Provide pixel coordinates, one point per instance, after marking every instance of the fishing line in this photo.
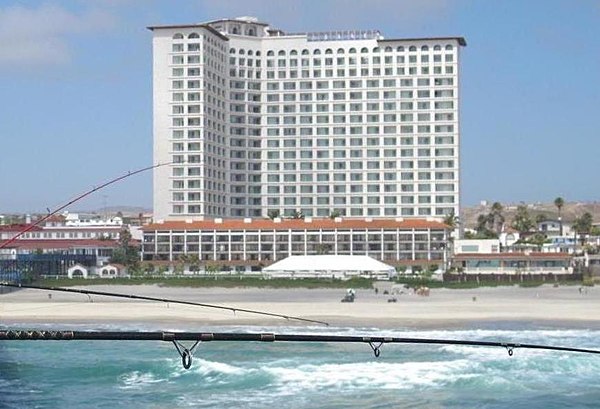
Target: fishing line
(76, 199)
(164, 300)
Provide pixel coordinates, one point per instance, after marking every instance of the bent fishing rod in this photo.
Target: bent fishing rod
(89, 293)
(197, 337)
(76, 199)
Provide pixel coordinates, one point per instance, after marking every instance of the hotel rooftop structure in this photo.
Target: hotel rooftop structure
(258, 120)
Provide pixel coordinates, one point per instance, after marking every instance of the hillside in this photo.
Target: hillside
(569, 212)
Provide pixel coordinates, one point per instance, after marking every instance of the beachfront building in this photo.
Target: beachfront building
(477, 246)
(68, 226)
(250, 244)
(514, 264)
(61, 245)
(254, 121)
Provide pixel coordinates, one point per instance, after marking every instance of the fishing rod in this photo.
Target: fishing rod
(197, 337)
(165, 300)
(76, 199)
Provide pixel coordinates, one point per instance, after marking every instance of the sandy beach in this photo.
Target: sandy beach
(546, 305)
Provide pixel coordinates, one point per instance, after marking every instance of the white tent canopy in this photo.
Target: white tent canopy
(329, 266)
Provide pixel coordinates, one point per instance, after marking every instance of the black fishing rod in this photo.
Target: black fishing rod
(186, 353)
(78, 198)
(165, 300)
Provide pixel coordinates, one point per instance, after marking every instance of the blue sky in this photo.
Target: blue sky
(75, 86)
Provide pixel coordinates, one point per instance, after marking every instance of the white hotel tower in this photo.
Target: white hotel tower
(256, 119)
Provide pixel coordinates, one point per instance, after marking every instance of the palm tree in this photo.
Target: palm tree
(481, 223)
(482, 228)
(496, 217)
(522, 221)
(451, 220)
(583, 226)
(559, 202)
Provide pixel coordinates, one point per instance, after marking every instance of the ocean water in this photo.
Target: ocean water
(148, 374)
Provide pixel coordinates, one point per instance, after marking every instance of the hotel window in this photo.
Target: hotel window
(443, 140)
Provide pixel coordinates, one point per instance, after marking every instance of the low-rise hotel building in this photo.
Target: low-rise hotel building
(254, 243)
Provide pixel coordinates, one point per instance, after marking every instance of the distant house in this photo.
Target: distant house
(78, 271)
(551, 228)
(509, 237)
(477, 246)
(111, 271)
(561, 244)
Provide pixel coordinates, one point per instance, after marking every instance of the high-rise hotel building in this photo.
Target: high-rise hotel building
(255, 119)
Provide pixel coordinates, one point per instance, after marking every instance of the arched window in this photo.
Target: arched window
(340, 51)
(177, 36)
(424, 48)
(194, 35)
(235, 30)
(257, 53)
(250, 52)
(449, 47)
(364, 50)
(316, 51)
(241, 51)
(352, 50)
(437, 47)
(251, 32)
(232, 51)
(304, 52)
(281, 53)
(412, 48)
(270, 53)
(376, 50)
(388, 49)
(329, 51)
(400, 48)
(293, 52)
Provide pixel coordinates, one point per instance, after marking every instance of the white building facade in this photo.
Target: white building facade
(256, 120)
(256, 243)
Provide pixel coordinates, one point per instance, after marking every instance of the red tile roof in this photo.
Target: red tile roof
(61, 244)
(296, 224)
(55, 218)
(19, 227)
